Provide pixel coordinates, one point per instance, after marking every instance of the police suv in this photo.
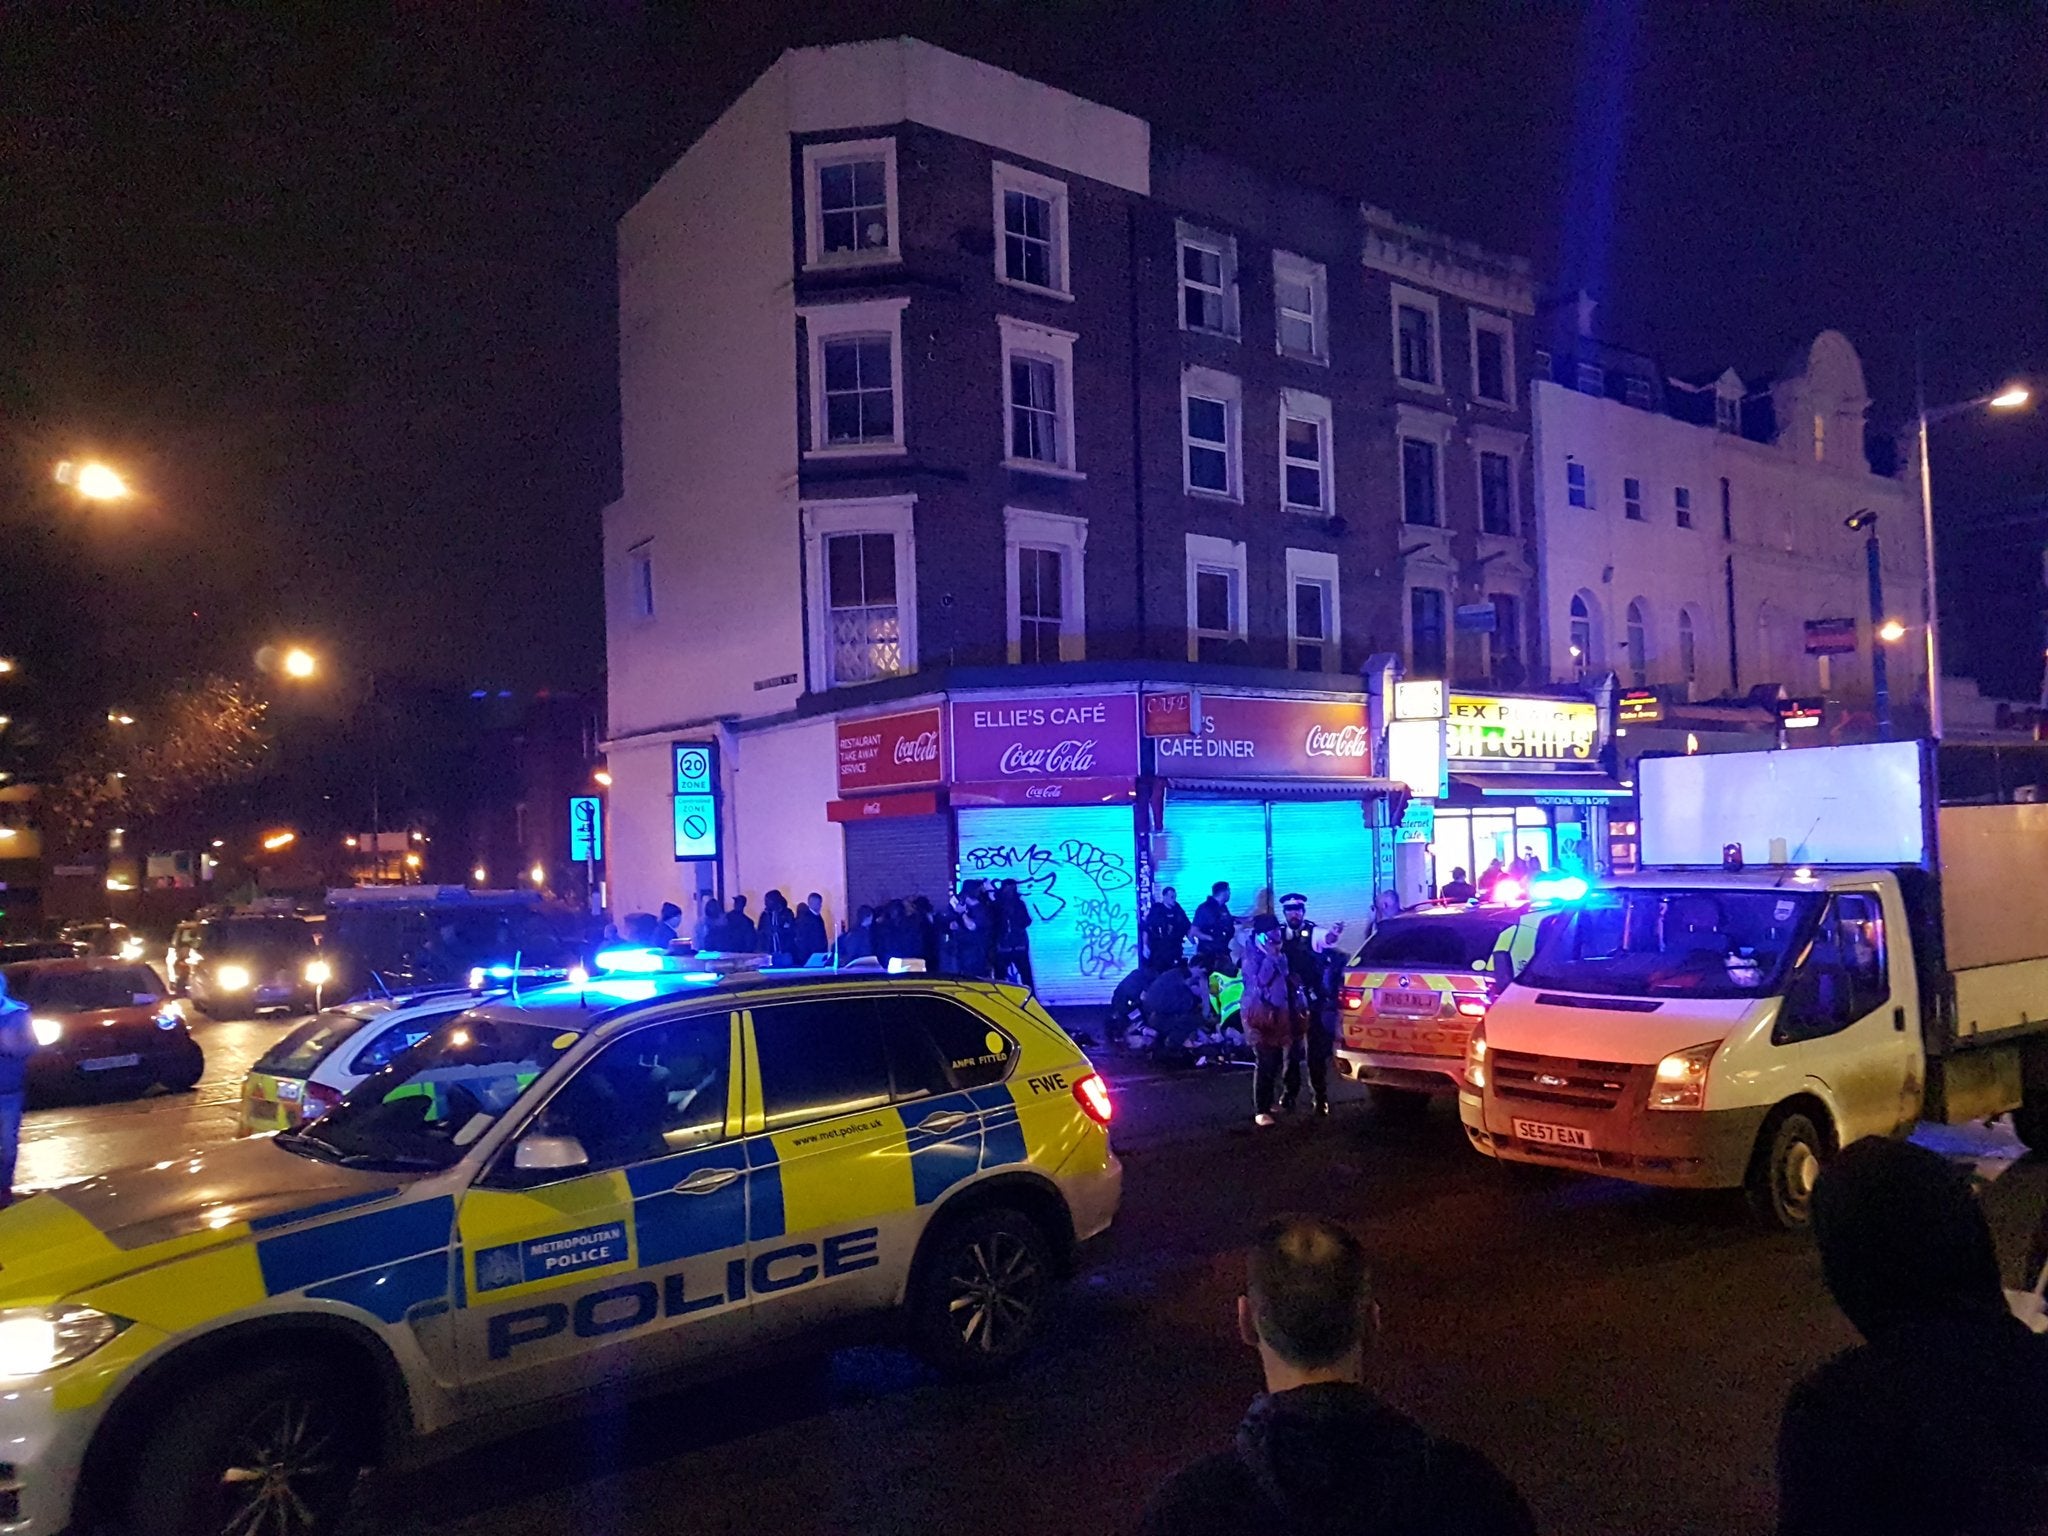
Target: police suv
(609, 1180)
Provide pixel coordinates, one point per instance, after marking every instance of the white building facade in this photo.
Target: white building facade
(1691, 533)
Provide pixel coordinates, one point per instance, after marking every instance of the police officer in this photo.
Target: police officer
(1310, 1040)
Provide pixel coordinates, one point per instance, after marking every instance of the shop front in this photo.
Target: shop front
(1267, 792)
(892, 806)
(1043, 790)
(1525, 782)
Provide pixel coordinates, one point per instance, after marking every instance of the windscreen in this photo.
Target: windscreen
(260, 936)
(1453, 945)
(299, 1052)
(113, 986)
(1675, 943)
(431, 1104)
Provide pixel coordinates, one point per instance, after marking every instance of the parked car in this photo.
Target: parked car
(102, 1027)
(305, 1074)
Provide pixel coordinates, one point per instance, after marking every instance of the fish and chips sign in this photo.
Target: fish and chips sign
(1502, 731)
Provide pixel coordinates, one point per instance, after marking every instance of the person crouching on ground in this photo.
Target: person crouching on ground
(1319, 1454)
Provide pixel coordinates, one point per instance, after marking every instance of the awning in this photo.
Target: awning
(1281, 789)
(1545, 788)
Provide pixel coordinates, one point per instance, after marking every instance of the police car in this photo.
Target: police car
(1423, 978)
(636, 1177)
(306, 1073)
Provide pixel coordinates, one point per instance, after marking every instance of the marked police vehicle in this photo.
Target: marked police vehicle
(306, 1073)
(612, 1180)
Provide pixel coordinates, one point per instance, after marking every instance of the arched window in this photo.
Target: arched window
(1582, 638)
(1638, 645)
(1688, 650)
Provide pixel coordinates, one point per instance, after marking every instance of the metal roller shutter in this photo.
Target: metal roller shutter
(1077, 869)
(898, 858)
(1211, 840)
(1324, 849)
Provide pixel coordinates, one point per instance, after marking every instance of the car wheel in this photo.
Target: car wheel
(264, 1450)
(982, 1294)
(1783, 1170)
(183, 1073)
(1397, 1103)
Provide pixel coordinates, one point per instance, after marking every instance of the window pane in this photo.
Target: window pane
(1426, 630)
(842, 418)
(1207, 419)
(941, 1046)
(1496, 493)
(1209, 469)
(1417, 356)
(1308, 657)
(877, 416)
(1201, 266)
(870, 184)
(1295, 293)
(1492, 356)
(1045, 564)
(1298, 334)
(835, 187)
(1212, 601)
(820, 1058)
(655, 1092)
(878, 566)
(1031, 383)
(1309, 610)
(1418, 482)
(1304, 486)
(842, 567)
(839, 231)
(842, 365)
(1304, 440)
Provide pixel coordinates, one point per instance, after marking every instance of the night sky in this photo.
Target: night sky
(341, 295)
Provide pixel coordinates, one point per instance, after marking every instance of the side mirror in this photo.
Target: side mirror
(541, 1153)
(1503, 972)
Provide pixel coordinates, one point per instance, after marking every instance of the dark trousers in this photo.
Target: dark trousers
(1314, 1049)
(1014, 964)
(10, 1142)
(1269, 1064)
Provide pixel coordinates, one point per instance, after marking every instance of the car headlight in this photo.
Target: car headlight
(47, 1031)
(232, 978)
(319, 973)
(1682, 1078)
(1475, 1057)
(36, 1340)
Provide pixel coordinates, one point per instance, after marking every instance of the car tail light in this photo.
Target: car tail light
(1092, 1094)
(1351, 998)
(316, 1101)
(1472, 1007)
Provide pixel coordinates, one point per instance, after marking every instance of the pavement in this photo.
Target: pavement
(1623, 1354)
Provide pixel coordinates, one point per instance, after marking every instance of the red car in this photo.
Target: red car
(102, 1026)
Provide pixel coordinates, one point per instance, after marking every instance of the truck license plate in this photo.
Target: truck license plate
(1545, 1134)
(1418, 1005)
(110, 1063)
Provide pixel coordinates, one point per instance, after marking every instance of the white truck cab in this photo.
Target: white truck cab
(1723, 1024)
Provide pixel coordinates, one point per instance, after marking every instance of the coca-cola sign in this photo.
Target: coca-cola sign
(901, 751)
(1045, 738)
(1243, 737)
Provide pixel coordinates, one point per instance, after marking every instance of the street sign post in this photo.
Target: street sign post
(696, 800)
(586, 828)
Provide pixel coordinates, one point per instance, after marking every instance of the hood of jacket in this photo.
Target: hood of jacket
(1333, 1458)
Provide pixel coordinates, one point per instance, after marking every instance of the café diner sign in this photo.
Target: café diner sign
(1494, 730)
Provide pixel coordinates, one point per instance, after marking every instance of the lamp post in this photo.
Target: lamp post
(2011, 398)
(1865, 523)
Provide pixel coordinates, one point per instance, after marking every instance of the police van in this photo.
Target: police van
(607, 1181)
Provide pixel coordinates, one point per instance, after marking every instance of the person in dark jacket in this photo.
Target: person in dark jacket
(740, 936)
(970, 946)
(1214, 928)
(1267, 1011)
(810, 929)
(1176, 1006)
(1319, 1454)
(671, 919)
(926, 931)
(858, 942)
(1458, 888)
(1937, 1424)
(776, 932)
(1013, 935)
(1166, 930)
(710, 929)
(17, 1044)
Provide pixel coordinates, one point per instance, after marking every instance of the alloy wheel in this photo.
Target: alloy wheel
(995, 1292)
(272, 1485)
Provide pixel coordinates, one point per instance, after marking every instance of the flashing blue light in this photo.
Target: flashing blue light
(641, 959)
(700, 976)
(1559, 888)
(620, 989)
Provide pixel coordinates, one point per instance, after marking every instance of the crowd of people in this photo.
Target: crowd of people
(1292, 979)
(980, 933)
(1935, 1425)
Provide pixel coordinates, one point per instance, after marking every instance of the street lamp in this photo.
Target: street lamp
(300, 663)
(1891, 631)
(92, 479)
(2011, 398)
(1865, 523)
